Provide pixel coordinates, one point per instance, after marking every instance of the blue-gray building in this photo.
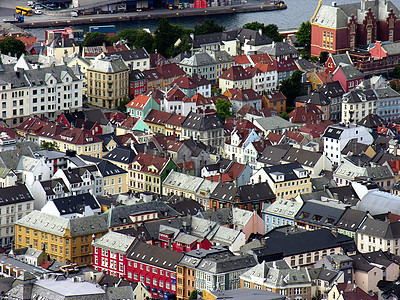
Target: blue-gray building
(279, 213)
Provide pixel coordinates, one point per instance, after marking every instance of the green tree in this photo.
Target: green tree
(215, 91)
(224, 108)
(323, 57)
(129, 35)
(303, 35)
(13, 46)
(254, 26)
(166, 36)
(193, 295)
(208, 26)
(284, 115)
(144, 40)
(96, 39)
(271, 30)
(291, 87)
(121, 107)
(49, 146)
(396, 72)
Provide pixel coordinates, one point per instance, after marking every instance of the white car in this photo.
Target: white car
(38, 12)
(38, 6)
(30, 3)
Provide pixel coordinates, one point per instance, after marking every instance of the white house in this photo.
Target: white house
(234, 148)
(336, 137)
(47, 190)
(32, 169)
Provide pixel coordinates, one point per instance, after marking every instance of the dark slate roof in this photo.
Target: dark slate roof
(74, 175)
(345, 194)
(185, 206)
(354, 147)
(350, 72)
(133, 54)
(14, 194)
(333, 132)
(303, 157)
(280, 48)
(48, 185)
(317, 98)
(107, 168)
(226, 192)
(380, 229)
(319, 213)
(96, 115)
(155, 256)
(351, 219)
(304, 242)
(371, 121)
(120, 214)
(76, 204)
(358, 96)
(332, 89)
(136, 75)
(273, 154)
(202, 122)
(286, 169)
(121, 155)
(367, 261)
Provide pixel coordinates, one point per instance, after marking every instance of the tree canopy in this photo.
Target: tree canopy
(291, 87)
(323, 57)
(13, 46)
(49, 146)
(303, 35)
(224, 108)
(96, 39)
(208, 26)
(270, 30)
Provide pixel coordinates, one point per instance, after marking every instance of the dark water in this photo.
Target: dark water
(298, 11)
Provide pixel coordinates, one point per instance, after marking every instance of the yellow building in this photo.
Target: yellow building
(107, 82)
(115, 179)
(184, 276)
(82, 64)
(64, 239)
(80, 140)
(62, 47)
(235, 77)
(156, 121)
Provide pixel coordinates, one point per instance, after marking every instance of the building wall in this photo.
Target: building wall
(307, 259)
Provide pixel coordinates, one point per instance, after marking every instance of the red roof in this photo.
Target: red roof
(32, 123)
(242, 59)
(77, 136)
(248, 109)
(274, 138)
(170, 70)
(138, 102)
(235, 170)
(201, 100)
(351, 292)
(147, 160)
(261, 58)
(295, 136)
(244, 95)
(309, 113)
(235, 73)
(115, 118)
(129, 122)
(316, 130)
(215, 178)
(185, 82)
(168, 143)
(176, 94)
(261, 144)
(45, 264)
(188, 166)
(158, 116)
(268, 112)
(175, 120)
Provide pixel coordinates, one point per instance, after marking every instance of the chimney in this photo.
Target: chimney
(335, 231)
(260, 31)
(220, 177)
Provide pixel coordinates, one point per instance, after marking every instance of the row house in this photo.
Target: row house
(388, 103)
(250, 60)
(241, 97)
(176, 101)
(319, 99)
(48, 190)
(357, 104)
(235, 42)
(336, 137)
(247, 197)
(348, 76)
(334, 92)
(235, 147)
(235, 77)
(141, 105)
(43, 92)
(162, 76)
(280, 213)
(65, 240)
(134, 59)
(276, 100)
(137, 83)
(15, 203)
(147, 172)
(279, 278)
(204, 127)
(286, 181)
(107, 82)
(285, 68)
(192, 85)
(213, 269)
(81, 180)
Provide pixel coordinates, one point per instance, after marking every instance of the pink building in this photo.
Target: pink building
(348, 76)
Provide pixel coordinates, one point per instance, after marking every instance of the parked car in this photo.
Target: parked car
(30, 3)
(38, 12)
(38, 6)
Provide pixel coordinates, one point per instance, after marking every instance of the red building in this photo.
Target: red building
(348, 76)
(181, 242)
(340, 28)
(334, 60)
(137, 83)
(124, 256)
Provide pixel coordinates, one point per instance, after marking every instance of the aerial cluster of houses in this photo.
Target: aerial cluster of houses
(168, 199)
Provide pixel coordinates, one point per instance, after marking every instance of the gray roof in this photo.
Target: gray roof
(247, 294)
(341, 58)
(329, 16)
(10, 158)
(120, 292)
(391, 48)
(351, 220)
(132, 54)
(56, 225)
(283, 208)
(273, 123)
(181, 181)
(115, 242)
(378, 202)
(317, 98)
(279, 48)
(350, 72)
(198, 59)
(202, 122)
(304, 157)
(113, 64)
(273, 155)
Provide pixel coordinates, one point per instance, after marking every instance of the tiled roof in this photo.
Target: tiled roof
(138, 102)
(77, 136)
(235, 73)
(146, 160)
(158, 117)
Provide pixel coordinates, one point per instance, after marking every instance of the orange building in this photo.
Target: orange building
(275, 100)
